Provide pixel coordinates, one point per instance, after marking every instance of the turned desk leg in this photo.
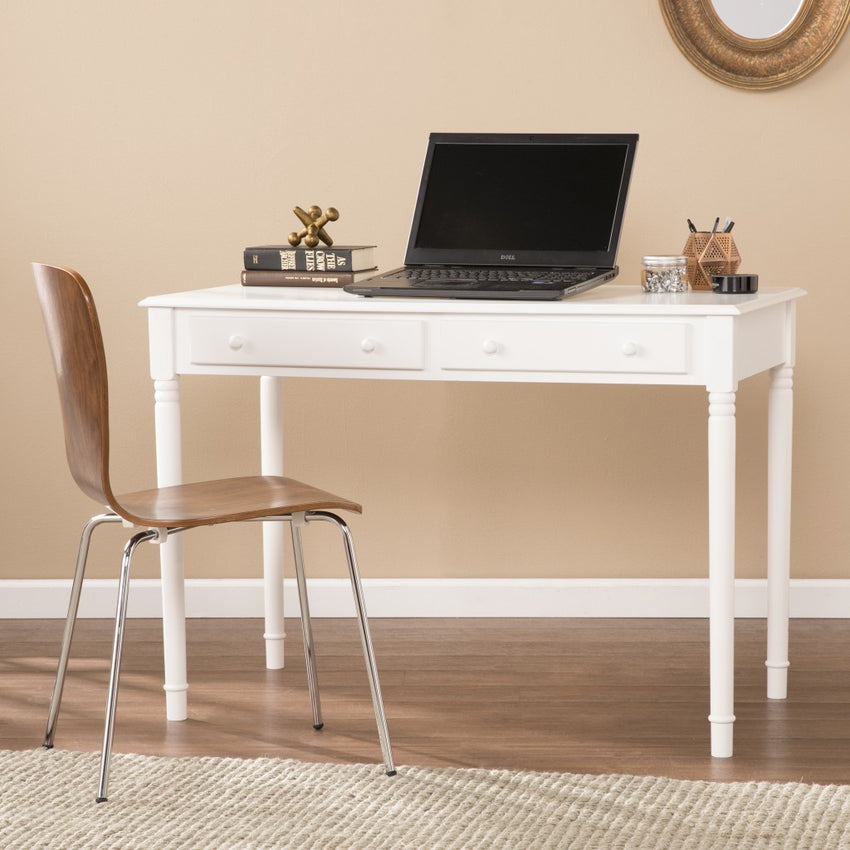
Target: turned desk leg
(721, 557)
(169, 472)
(779, 430)
(271, 446)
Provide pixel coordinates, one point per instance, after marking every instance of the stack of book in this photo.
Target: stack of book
(283, 265)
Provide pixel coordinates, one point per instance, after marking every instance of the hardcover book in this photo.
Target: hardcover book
(266, 277)
(345, 258)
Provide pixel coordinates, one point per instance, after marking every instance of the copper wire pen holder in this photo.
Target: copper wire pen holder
(709, 254)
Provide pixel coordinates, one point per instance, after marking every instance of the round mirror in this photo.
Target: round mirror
(756, 44)
(757, 18)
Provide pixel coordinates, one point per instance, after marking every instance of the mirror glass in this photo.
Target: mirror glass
(757, 18)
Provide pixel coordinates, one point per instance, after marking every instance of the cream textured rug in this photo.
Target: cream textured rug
(47, 801)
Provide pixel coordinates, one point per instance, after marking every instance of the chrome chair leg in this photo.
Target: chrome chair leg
(306, 624)
(117, 646)
(365, 637)
(70, 623)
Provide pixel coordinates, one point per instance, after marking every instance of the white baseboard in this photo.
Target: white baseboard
(818, 598)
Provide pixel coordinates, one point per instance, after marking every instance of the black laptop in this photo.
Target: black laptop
(512, 215)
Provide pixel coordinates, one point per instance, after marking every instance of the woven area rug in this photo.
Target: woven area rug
(47, 801)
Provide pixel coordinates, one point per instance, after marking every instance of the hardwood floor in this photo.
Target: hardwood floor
(595, 696)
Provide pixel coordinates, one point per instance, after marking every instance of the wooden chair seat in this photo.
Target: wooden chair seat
(226, 500)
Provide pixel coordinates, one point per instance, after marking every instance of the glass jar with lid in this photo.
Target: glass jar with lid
(664, 273)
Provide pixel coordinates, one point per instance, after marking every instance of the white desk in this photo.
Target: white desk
(610, 335)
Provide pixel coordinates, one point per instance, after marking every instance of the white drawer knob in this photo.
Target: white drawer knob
(368, 345)
(236, 342)
(490, 346)
(629, 349)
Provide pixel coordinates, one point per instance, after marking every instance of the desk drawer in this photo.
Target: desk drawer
(565, 346)
(321, 343)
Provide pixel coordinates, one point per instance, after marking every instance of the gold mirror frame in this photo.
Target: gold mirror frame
(756, 63)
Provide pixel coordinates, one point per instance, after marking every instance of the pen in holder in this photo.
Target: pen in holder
(709, 254)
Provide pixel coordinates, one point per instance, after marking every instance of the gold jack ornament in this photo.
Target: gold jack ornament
(314, 221)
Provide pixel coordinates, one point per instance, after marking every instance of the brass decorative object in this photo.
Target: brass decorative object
(314, 221)
(708, 254)
(756, 63)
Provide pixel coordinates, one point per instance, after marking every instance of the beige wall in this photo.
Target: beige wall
(147, 144)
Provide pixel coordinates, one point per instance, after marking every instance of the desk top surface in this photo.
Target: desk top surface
(608, 299)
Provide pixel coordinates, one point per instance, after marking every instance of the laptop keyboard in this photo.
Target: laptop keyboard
(494, 277)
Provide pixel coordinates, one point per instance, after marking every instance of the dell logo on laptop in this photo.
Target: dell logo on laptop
(508, 258)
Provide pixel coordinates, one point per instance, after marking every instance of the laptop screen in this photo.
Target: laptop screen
(511, 199)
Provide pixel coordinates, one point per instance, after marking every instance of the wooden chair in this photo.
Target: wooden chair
(76, 344)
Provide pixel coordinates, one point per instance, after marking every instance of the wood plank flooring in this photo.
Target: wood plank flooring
(594, 696)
